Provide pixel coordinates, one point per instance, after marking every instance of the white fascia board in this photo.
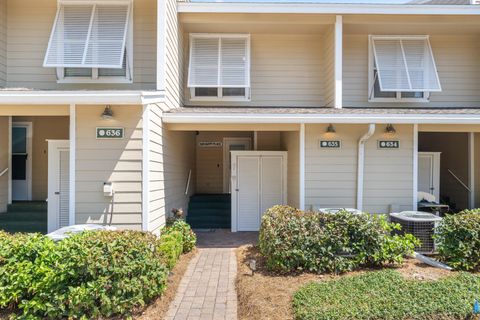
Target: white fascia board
(318, 8)
(80, 97)
(240, 118)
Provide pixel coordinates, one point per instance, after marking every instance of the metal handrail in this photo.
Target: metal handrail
(3, 172)
(187, 188)
(459, 181)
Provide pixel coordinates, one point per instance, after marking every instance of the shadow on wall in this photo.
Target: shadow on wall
(454, 156)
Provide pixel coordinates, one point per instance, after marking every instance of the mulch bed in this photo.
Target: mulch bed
(266, 295)
(158, 308)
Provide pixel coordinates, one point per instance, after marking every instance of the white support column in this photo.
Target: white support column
(338, 62)
(471, 169)
(72, 173)
(302, 166)
(161, 42)
(415, 167)
(9, 160)
(145, 167)
(255, 140)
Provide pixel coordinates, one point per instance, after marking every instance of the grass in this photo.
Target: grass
(388, 295)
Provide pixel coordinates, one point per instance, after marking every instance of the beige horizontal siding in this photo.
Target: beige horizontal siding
(29, 25)
(171, 157)
(331, 174)
(4, 163)
(116, 161)
(329, 66)
(286, 70)
(290, 143)
(3, 42)
(457, 62)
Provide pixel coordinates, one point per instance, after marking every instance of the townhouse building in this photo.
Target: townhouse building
(118, 111)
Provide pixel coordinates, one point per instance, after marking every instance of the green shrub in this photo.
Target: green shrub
(171, 247)
(89, 275)
(291, 239)
(189, 237)
(387, 295)
(458, 241)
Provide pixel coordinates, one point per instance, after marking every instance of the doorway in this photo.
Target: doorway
(229, 145)
(58, 184)
(21, 161)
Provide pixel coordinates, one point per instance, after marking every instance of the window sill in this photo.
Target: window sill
(213, 99)
(406, 100)
(95, 81)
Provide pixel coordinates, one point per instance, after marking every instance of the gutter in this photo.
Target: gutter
(361, 164)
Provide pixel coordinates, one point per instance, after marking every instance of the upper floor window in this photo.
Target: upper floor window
(401, 69)
(91, 42)
(219, 67)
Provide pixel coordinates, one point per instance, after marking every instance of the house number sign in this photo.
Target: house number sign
(330, 144)
(210, 144)
(388, 144)
(110, 133)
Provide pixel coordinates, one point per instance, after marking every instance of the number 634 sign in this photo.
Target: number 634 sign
(110, 133)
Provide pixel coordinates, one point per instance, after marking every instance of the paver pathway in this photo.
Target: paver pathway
(207, 289)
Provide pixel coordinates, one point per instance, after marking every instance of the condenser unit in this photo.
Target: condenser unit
(420, 224)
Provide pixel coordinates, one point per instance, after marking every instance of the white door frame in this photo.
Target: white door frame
(28, 174)
(226, 169)
(435, 171)
(234, 179)
(54, 146)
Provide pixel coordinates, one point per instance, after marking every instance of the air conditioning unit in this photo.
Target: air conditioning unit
(421, 225)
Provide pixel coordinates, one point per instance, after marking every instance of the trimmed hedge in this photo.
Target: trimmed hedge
(291, 240)
(88, 275)
(388, 295)
(458, 240)
(189, 238)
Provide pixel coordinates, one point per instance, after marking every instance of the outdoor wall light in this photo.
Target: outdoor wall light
(107, 113)
(331, 128)
(390, 129)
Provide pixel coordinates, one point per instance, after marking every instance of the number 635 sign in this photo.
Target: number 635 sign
(110, 133)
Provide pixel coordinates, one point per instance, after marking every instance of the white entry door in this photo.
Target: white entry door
(429, 173)
(58, 184)
(259, 179)
(229, 145)
(21, 161)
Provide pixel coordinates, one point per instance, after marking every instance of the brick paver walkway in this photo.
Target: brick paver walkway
(207, 289)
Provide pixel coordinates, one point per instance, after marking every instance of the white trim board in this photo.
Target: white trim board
(81, 97)
(72, 163)
(249, 118)
(319, 8)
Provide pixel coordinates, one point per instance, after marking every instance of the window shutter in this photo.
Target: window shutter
(204, 58)
(88, 36)
(219, 61)
(234, 63)
(405, 64)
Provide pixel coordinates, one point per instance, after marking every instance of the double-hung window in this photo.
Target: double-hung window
(401, 69)
(219, 67)
(91, 42)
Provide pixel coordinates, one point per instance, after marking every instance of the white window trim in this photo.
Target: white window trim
(219, 97)
(128, 79)
(371, 80)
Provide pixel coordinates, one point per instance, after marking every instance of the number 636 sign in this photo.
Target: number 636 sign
(110, 133)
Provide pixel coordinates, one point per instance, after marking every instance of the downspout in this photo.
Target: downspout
(361, 164)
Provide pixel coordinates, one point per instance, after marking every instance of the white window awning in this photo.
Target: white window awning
(405, 63)
(91, 35)
(221, 61)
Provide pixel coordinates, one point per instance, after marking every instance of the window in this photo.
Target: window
(219, 67)
(91, 41)
(401, 69)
